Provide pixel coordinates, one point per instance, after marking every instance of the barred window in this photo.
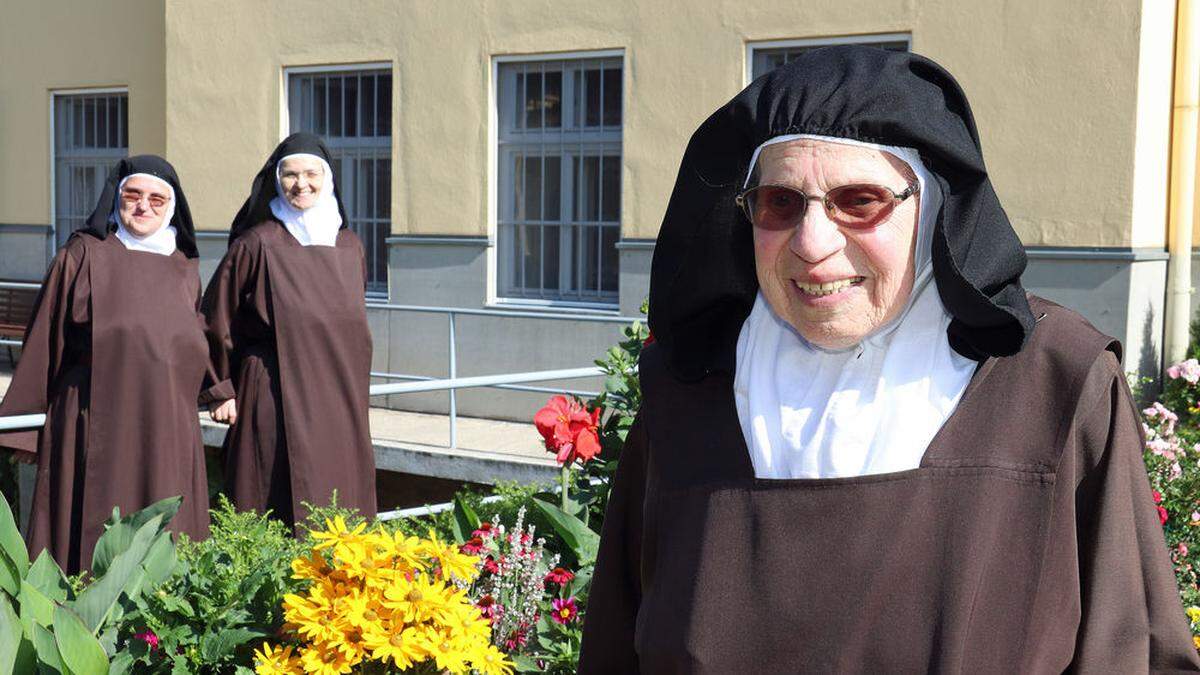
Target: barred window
(351, 111)
(91, 132)
(559, 175)
(766, 59)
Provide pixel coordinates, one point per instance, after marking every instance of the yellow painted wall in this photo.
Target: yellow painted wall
(60, 44)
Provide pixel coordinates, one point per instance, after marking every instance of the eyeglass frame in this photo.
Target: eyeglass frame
(740, 199)
(143, 196)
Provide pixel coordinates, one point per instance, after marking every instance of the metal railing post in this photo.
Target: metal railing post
(453, 392)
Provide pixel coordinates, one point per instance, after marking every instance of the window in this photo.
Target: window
(767, 56)
(91, 132)
(351, 110)
(559, 180)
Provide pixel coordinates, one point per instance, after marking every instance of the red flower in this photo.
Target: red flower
(489, 565)
(488, 607)
(148, 637)
(1162, 515)
(560, 576)
(485, 530)
(649, 339)
(1157, 496)
(565, 611)
(472, 547)
(517, 638)
(569, 429)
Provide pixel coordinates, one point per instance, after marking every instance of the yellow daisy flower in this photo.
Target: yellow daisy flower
(276, 660)
(489, 660)
(321, 661)
(404, 647)
(335, 531)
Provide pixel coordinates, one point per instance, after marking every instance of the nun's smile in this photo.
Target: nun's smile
(301, 178)
(144, 204)
(833, 283)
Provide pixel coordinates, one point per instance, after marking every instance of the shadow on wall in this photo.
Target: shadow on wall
(1148, 359)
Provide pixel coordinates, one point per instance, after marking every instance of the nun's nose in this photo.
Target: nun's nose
(816, 237)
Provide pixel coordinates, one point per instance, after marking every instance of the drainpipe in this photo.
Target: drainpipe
(1182, 201)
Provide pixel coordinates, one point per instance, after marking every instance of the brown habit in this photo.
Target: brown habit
(125, 321)
(1026, 542)
(287, 329)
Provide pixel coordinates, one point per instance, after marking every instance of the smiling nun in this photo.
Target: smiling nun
(115, 357)
(287, 329)
(863, 447)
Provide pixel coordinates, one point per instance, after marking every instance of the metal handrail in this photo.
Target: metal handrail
(19, 422)
(21, 285)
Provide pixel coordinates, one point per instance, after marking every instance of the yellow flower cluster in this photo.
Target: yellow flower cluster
(386, 598)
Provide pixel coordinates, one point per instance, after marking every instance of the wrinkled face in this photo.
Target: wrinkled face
(835, 284)
(144, 204)
(301, 178)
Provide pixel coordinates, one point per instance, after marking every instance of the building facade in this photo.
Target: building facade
(519, 155)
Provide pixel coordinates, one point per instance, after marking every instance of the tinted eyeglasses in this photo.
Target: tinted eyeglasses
(156, 200)
(861, 205)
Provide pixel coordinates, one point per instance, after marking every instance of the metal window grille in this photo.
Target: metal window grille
(352, 111)
(766, 60)
(559, 193)
(91, 132)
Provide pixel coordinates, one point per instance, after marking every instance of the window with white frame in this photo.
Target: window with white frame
(91, 132)
(559, 180)
(766, 57)
(351, 110)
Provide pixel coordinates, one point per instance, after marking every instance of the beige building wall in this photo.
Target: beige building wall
(1069, 96)
(62, 45)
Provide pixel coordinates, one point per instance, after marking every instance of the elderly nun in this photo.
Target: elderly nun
(115, 356)
(863, 447)
(287, 329)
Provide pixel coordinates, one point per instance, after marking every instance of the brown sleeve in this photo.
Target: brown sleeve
(42, 352)
(1131, 617)
(219, 307)
(616, 591)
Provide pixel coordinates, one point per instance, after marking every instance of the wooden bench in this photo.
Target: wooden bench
(16, 308)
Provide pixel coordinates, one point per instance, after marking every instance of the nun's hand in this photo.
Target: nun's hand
(225, 412)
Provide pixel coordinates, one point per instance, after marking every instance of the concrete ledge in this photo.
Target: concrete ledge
(438, 240)
(475, 466)
(1124, 254)
(636, 244)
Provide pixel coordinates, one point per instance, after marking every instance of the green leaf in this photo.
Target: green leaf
(10, 578)
(575, 533)
(49, 660)
(96, 602)
(524, 664)
(46, 576)
(119, 532)
(10, 633)
(36, 608)
(465, 519)
(160, 561)
(214, 647)
(10, 539)
(122, 664)
(81, 651)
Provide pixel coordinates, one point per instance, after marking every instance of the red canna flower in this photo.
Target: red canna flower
(560, 576)
(569, 429)
(565, 611)
(148, 637)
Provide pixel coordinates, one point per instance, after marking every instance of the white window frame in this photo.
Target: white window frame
(493, 180)
(285, 125)
(52, 242)
(751, 47)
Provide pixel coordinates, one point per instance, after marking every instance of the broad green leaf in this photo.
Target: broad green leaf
(122, 664)
(81, 651)
(96, 602)
(36, 608)
(10, 538)
(465, 519)
(575, 533)
(119, 532)
(215, 646)
(160, 561)
(524, 664)
(11, 633)
(49, 660)
(10, 578)
(46, 576)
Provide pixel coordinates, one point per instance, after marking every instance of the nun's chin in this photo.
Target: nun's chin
(303, 202)
(144, 228)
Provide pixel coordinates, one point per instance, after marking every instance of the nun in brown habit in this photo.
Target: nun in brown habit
(115, 357)
(287, 329)
(863, 447)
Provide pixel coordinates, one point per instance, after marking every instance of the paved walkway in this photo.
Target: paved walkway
(416, 443)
